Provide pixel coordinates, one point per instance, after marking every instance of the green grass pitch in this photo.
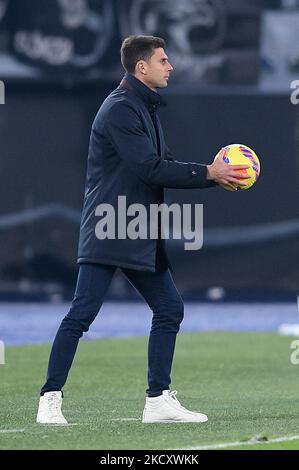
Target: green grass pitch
(245, 382)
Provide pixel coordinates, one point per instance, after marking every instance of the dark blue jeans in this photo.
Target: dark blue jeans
(159, 291)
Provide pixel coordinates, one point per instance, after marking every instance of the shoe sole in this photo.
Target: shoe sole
(53, 424)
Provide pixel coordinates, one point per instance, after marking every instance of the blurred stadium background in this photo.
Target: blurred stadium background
(234, 64)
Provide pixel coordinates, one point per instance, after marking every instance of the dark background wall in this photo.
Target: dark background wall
(60, 58)
(43, 160)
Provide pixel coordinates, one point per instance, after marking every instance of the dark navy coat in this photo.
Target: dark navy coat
(128, 157)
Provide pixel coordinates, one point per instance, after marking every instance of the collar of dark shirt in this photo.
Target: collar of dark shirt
(151, 98)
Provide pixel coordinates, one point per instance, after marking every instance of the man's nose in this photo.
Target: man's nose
(170, 68)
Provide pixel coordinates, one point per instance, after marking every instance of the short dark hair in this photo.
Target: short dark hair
(135, 48)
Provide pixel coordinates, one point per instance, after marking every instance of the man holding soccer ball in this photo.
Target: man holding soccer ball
(128, 156)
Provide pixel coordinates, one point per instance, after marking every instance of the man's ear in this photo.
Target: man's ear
(141, 67)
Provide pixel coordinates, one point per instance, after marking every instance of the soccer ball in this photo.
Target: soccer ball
(238, 154)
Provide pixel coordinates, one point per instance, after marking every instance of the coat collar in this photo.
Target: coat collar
(148, 96)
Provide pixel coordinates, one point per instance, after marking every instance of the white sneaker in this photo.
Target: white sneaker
(49, 410)
(167, 409)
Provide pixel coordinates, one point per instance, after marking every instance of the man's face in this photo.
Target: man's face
(157, 70)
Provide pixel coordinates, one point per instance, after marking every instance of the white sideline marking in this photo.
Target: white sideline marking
(125, 419)
(251, 442)
(11, 430)
(52, 425)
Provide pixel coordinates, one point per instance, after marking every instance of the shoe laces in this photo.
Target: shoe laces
(54, 403)
(172, 395)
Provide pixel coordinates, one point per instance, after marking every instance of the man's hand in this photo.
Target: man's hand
(226, 174)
